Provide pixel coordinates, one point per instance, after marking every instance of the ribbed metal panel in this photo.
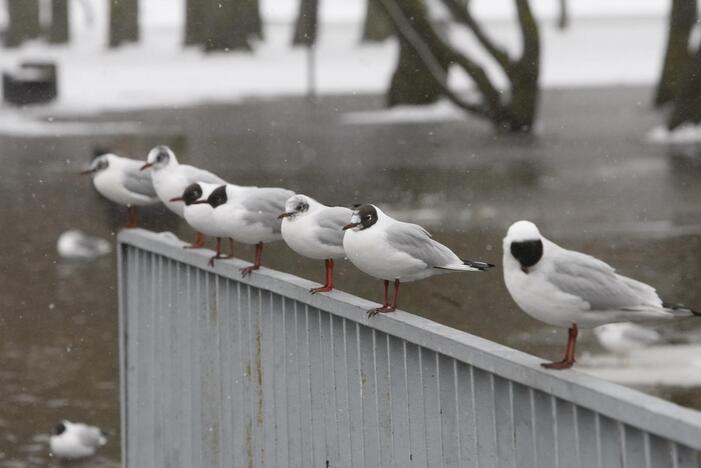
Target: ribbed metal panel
(219, 371)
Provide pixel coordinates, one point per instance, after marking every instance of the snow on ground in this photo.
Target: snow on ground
(158, 72)
(683, 135)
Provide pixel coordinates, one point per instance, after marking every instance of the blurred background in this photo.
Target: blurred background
(461, 115)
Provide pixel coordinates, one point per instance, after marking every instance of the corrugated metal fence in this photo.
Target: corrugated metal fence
(220, 371)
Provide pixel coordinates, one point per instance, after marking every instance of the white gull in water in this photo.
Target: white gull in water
(570, 289)
(315, 230)
(72, 441)
(392, 250)
(74, 244)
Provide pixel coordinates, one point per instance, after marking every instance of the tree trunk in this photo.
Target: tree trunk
(307, 23)
(228, 25)
(524, 74)
(124, 22)
(421, 71)
(563, 18)
(59, 30)
(376, 27)
(253, 21)
(194, 22)
(24, 24)
(687, 102)
(677, 58)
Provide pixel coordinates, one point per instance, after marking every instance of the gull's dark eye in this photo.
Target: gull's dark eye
(299, 207)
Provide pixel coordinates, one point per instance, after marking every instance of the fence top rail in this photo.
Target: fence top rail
(629, 406)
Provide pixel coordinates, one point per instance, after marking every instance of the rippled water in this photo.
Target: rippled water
(589, 180)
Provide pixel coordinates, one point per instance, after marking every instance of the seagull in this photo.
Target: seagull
(392, 250)
(248, 215)
(199, 215)
(314, 230)
(72, 441)
(74, 244)
(623, 337)
(570, 289)
(170, 179)
(120, 180)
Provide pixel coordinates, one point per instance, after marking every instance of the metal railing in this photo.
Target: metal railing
(221, 371)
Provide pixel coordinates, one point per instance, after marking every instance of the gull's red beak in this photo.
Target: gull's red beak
(350, 226)
(176, 199)
(86, 172)
(284, 215)
(146, 166)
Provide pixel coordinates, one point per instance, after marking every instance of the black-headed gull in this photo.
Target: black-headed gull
(392, 250)
(170, 179)
(249, 215)
(570, 289)
(200, 215)
(314, 230)
(72, 441)
(120, 181)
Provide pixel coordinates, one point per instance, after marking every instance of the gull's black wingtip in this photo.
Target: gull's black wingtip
(482, 266)
(681, 308)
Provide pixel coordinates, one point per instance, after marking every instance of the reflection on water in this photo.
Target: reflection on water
(588, 180)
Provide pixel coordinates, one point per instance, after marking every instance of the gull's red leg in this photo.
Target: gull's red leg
(568, 360)
(256, 262)
(386, 307)
(199, 242)
(231, 249)
(218, 255)
(131, 217)
(328, 285)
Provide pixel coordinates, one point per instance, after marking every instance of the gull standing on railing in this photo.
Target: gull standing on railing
(571, 289)
(392, 250)
(120, 180)
(200, 216)
(249, 215)
(314, 230)
(170, 179)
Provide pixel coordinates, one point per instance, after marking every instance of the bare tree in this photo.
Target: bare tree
(512, 110)
(306, 25)
(678, 57)
(228, 25)
(376, 27)
(124, 22)
(686, 105)
(194, 22)
(59, 30)
(23, 22)
(563, 17)
(254, 20)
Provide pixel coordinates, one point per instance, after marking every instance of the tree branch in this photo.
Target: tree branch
(462, 14)
(491, 108)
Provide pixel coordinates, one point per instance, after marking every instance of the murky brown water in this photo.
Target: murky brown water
(589, 180)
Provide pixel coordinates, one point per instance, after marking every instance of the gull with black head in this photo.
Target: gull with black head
(573, 290)
(119, 180)
(73, 441)
(200, 215)
(314, 230)
(248, 215)
(393, 250)
(170, 179)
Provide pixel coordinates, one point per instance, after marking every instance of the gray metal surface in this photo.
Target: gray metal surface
(220, 371)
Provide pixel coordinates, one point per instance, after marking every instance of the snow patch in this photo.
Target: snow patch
(440, 111)
(686, 134)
